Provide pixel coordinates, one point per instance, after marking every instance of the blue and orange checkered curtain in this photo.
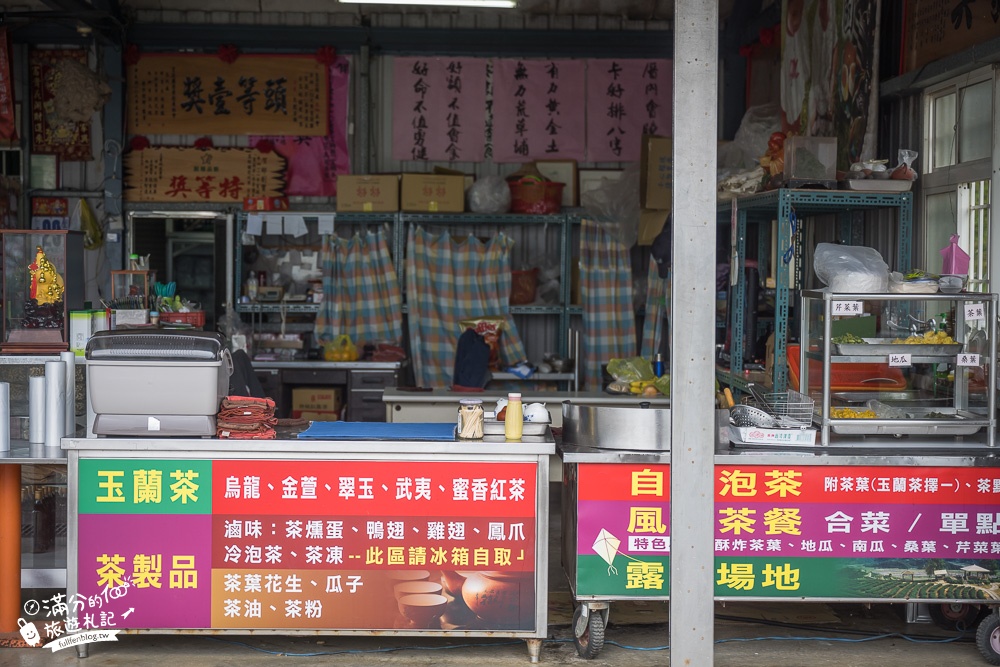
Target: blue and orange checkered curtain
(361, 294)
(657, 306)
(451, 279)
(606, 294)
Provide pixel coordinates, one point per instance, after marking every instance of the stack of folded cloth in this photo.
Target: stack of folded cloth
(246, 418)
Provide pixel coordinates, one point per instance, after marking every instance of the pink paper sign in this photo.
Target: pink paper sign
(626, 99)
(314, 162)
(439, 109)
(536, 110)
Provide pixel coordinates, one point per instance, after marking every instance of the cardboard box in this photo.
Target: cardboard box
(265, 204)
(312, 400)
(432, 193)
(772, 436)
(650, 225)
(656, 173)
(377, 193)
(319, 416)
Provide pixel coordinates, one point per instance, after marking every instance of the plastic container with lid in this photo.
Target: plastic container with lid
(513, 424)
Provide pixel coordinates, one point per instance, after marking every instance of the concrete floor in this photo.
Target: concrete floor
(785, 634)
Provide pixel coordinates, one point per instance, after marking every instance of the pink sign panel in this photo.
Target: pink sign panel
(439, 109)
(626, 99)
(314, 162)
(536, 110)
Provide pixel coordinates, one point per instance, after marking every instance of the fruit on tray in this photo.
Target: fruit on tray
(640, 386)
(929, 338)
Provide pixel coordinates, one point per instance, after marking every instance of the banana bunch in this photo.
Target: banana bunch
(639, 386)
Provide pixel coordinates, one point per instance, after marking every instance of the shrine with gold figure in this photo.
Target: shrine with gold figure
(42, 281)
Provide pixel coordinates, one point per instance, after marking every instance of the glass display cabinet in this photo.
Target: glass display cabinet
(913, 366)
(42, 282)
(131, 287)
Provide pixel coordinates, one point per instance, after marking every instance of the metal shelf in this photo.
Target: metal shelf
(763, 207)
(284, 306)
(480, 219)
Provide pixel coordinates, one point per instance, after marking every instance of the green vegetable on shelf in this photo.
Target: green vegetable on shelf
(849, 339)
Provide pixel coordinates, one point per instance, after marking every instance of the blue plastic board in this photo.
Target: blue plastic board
(378, 431)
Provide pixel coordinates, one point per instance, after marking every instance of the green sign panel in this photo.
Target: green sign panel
(145, 486)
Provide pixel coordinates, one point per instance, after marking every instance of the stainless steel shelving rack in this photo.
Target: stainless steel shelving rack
(762, 208)
(399, 223)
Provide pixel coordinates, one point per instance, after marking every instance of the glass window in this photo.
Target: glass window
(940, 223)
(943, 131)
(976, 122)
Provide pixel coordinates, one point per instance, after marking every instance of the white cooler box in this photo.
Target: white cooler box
(157, 382)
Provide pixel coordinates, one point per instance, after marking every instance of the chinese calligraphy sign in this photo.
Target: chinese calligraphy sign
(439, 109)
(194, 94)
(625, 100)
(537, 111)
(197, 175)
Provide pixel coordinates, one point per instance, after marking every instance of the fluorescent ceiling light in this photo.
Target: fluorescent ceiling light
(497, 4)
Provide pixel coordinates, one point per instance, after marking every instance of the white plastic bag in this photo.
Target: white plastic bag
(851, 268)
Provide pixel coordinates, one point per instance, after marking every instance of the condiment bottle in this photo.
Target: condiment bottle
(513, 423)
(658, 367)
(252, 286)
(470, 419)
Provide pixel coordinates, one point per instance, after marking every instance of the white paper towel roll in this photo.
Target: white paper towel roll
(55, 402)
(4, 417)
(36, 409)
(69, 358)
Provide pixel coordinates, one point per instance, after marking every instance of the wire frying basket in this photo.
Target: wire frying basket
(791, 409)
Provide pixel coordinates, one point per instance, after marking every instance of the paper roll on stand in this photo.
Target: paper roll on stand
(36, 409)
(55, 402)
(4, 417)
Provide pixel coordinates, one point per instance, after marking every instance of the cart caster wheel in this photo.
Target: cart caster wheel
(588, 634)
(988, 639)
(955, 616)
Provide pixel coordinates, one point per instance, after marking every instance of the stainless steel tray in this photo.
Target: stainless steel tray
(950, 425)
(883, 347)
(494, 427)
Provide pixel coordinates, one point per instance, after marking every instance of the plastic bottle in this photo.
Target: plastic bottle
(513, 423)
(658, 366)
(252, 286)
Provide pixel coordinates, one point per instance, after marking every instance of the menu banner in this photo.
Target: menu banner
(202, 94)
(799, 531)
(226, 175)
(364, 545)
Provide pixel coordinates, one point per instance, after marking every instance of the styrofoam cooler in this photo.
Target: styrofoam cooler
(137, 380)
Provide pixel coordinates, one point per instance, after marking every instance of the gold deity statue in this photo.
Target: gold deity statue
(46, 284)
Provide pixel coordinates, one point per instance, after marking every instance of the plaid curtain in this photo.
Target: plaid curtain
(449, 280)
(656, 308)
(361, 295)
(606, 293)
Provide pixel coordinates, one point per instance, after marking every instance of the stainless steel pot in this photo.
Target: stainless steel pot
(634, 427)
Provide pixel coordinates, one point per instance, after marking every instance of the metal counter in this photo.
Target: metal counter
(886, 520)
(313, 536)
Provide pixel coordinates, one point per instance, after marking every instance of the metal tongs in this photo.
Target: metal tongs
(916, 326)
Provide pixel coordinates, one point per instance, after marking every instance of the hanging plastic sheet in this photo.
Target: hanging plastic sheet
(361, 295)
(606, 294)
(449, 280)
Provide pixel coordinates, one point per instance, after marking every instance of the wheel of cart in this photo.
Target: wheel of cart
(589, 621)
(957, 615)
(988, 637)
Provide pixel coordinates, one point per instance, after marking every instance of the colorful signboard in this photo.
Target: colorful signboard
(203, 94)
(353, 545)
(51, 133)
(800, 531)
(227, 175)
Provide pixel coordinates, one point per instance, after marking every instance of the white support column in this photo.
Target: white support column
(692, 428)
